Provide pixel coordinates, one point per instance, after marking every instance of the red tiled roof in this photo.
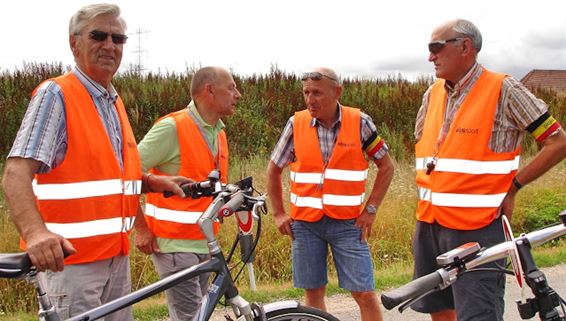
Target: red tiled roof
(547, 79)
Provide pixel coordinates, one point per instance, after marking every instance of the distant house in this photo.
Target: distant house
(546, 79)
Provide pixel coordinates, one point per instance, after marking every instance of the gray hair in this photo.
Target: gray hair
(468, 29)
(89, 12)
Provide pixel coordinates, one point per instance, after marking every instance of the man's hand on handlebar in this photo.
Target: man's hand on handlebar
(163, 183)
(46, 250)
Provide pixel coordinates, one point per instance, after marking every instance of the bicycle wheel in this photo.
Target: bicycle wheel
(299, 313)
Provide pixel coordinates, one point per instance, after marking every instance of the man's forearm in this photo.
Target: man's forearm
(275, 189)
(553, 152)
(382, 181)
(17, 185)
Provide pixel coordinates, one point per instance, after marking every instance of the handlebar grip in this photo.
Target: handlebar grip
(411, 290)
(187, 189)
(232, 205)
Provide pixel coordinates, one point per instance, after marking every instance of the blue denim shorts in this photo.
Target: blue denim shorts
(351, 255)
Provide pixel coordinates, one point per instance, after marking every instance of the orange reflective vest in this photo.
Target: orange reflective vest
(88, 199)
(469, 181)
(337, 189)
(174, 217)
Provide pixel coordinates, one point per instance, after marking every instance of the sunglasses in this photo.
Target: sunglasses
(315, 75)
(437, 46)
(100, 36)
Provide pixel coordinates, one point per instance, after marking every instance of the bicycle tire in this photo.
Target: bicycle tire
(299, 313)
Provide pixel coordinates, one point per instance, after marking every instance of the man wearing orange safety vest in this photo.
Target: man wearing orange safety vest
(325, 146)
(468, 132)
(73, 176)
(190, 142)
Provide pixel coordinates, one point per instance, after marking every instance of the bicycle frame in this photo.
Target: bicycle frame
(222, 283)
(225, 203)
(545, 299)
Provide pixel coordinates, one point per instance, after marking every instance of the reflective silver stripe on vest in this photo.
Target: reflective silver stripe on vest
(470, 166)
(92, 228)
(343, 200)
(85, 189)
(461, 200)
(420, 163)
(309, 178)
(346, 175)
(165, 214)
(327, 199)
(313, 202)
(336, 174)
(132, 187)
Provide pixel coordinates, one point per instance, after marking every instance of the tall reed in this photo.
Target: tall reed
(266, 104)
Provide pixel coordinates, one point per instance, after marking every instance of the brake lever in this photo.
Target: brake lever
(404, 306)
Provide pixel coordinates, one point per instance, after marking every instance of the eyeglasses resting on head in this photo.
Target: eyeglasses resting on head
(315, 75)
(437, 46)
(97, 35)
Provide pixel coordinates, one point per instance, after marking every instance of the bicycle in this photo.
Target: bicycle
(228, 199)
(467, 257)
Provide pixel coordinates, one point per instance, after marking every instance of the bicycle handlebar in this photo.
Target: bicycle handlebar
(445, 276)
(413, 289)
(232, 205)
(195, 190)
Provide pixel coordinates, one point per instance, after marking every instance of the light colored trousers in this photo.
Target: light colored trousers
(183, 300)
(81, 287)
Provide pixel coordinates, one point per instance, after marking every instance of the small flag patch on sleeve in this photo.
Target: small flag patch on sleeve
(375, 146)
(543, 127)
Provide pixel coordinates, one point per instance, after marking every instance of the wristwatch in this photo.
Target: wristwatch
(371, 209)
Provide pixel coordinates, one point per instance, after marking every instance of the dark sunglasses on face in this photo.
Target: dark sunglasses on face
(437, 46)
(100, 36)
(315, 75)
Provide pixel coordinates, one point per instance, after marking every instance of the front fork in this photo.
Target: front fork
(546, 299)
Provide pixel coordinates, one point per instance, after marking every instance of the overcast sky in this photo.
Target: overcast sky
(357, 38)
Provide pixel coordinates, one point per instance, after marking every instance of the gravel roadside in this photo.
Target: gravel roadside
(344, 307)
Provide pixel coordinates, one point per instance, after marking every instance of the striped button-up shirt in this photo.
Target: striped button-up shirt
(284, 152)
(43, 133)
(516, 110)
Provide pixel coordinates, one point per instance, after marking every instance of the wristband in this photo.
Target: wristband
(148, 188)
(516, 183)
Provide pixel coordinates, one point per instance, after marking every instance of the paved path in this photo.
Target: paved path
(556, 277)
(345, 309)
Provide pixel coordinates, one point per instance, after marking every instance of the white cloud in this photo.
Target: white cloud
(357, 38)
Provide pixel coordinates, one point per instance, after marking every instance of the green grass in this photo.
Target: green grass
(155, 308)
(390, 243)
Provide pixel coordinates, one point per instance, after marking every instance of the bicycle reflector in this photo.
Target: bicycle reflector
(513, 253)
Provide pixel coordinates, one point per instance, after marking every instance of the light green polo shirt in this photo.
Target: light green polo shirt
(160, 149)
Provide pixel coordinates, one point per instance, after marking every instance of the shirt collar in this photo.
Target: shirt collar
(197, 117)
(315, 122)
(95, 89)
(466, 81)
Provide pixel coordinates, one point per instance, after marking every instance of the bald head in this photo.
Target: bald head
(215, 93)
(327, 73)
(205, 75)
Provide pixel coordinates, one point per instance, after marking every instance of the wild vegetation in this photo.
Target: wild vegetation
(267, 102)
